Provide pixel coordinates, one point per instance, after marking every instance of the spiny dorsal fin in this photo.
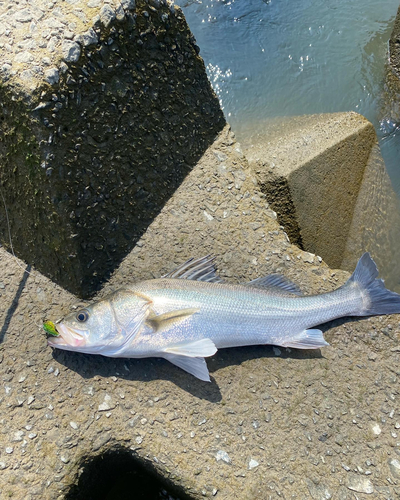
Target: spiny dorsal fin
(202, 269)
(277, 284)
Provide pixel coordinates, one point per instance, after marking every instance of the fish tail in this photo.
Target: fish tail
(377, 299)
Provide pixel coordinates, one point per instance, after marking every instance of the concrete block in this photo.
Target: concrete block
(311, 169)
(375, 226)
(105, 108)
(272, 422)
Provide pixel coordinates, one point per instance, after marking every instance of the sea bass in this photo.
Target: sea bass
(189, 313)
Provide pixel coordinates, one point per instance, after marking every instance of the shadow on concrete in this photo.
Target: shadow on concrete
(14, 303)
(118, 474)
(149, 369)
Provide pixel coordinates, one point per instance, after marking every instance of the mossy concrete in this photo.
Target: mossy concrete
(310, 169)
(273, 423)
(104, 109)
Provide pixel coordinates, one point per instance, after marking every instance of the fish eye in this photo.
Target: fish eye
(82, 316)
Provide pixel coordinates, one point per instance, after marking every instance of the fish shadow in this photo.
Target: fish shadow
(151, 369)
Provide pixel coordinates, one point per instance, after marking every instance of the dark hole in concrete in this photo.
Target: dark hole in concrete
(119, 475)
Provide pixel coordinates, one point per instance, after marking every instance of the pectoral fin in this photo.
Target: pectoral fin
(164, 321)
(193, 348)
(194, 366)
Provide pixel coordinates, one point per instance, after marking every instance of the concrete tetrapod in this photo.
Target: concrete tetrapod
(272, 423)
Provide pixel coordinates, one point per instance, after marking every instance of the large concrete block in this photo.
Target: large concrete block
(105, 108)
(273, 423)
(376, 223)
(311, 169)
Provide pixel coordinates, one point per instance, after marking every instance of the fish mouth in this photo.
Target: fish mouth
(68, 337)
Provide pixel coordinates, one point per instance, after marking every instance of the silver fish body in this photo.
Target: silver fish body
(189, 314)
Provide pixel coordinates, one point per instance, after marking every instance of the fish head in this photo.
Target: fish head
(104, 326)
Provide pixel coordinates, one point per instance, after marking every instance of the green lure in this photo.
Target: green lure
(50, 329)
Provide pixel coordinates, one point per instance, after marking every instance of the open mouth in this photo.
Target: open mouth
(67, 337)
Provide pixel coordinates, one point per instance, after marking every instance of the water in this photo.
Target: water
(280, 58)
(270, 58)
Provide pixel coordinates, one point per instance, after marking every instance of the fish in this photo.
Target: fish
(190, 313)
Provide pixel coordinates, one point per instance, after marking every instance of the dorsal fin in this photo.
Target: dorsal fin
(202, 269)
(277, 284)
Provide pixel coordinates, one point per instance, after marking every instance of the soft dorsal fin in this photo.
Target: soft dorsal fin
(277, 284)
(202, 269)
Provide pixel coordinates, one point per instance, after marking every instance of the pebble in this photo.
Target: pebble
(253, 464)
(23, 57)
(9, 449)
(376, 429)
(88, 38)
(106, 404)
(223, 455)
(18, 435)
(359, 484)
(74, 425)
(71, 51)
(23, 16)
(128, 4)
(52, 76)
(394, 465)
(308, 257)
(107, 15)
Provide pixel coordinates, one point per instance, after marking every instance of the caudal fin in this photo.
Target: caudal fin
(377, 299)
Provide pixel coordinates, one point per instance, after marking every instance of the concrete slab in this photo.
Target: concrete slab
(311, 172)
(105, 107)
(272, 424)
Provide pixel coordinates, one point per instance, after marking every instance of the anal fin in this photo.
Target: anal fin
(307, 339)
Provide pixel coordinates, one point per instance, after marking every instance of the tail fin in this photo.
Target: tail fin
(378, 300)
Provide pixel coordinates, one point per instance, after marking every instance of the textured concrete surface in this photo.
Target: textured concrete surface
(311, 169)
(273, 423)
(394, 46)
(391, 95)
(105, 107)
(376, 223)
